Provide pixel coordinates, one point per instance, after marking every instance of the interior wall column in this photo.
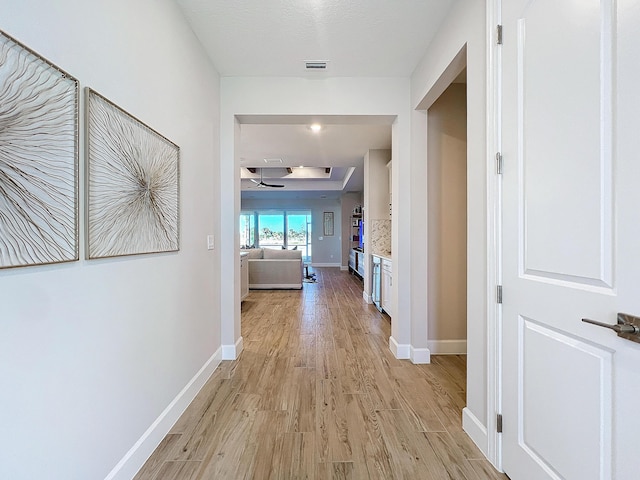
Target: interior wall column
(229, 238)
(419, 229)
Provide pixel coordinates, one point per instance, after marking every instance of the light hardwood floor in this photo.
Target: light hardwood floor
(317, 394)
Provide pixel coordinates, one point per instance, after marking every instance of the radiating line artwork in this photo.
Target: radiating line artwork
(38, 159)
(133, 184)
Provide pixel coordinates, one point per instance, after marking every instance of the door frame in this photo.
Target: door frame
(486, 435)
(494, 233)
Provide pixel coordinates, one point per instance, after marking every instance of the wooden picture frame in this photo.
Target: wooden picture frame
(39, 155)
(327, 223)
(133, 193)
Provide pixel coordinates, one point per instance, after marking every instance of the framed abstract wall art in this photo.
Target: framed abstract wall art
(132, 184)
(327, 224)
(38, 159)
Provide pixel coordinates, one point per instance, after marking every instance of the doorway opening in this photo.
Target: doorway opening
(447, 220)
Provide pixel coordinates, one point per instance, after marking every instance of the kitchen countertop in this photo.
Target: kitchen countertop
(385, 256)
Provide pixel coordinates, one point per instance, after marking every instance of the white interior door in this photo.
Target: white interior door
(571, 243)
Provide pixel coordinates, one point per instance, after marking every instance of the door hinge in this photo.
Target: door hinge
(499, 34)
(499, 163)
(499, 294)
(499, 423)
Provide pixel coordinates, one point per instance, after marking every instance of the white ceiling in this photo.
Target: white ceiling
(359, 38)
(340, 145)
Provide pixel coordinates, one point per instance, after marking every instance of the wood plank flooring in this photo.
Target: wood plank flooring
(316, 394)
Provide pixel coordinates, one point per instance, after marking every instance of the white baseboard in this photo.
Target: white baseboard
(399, 351)
(275, 286)
(231, 352)
(367, 298)
(343, 268)
(326, 265)
(447, 347)
(135, 458)
(420, 355)
(475, 429)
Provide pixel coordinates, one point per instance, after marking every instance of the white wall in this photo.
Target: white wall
(447, 221)
(92, 352)
(317, 96)
(323, 252)
(376, 195)
(463, 28)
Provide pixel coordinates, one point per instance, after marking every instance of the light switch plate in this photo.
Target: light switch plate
(211, 242)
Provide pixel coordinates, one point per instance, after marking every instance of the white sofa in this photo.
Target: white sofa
(272, 269)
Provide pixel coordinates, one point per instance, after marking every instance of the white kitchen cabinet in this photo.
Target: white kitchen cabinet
(376, 287)
(387, 284)
(352, 261)
(356, 262)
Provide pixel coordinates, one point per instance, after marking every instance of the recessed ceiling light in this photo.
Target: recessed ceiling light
(315, 127)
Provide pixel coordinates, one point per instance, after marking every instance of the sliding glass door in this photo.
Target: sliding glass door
(290, 229)
(247, 230)
(299, 232)
(271, 230)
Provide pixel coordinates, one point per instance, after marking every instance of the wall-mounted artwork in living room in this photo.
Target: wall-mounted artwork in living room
(328, 224)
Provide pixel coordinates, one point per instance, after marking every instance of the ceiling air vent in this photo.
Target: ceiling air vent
(315, 65)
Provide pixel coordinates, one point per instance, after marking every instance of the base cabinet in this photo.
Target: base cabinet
(376, 279)
(387, 283)
(352, 260)
(356, 262)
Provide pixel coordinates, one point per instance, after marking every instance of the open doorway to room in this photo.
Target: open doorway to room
(281, 162)
(315, 163)
(447, 220)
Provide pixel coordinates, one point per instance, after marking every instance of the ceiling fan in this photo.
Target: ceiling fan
(262, 184)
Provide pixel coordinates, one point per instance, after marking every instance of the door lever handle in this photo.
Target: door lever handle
(628, 326)
(620, 328)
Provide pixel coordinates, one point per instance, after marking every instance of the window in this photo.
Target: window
(299, 232)
(247, 230)
(271, 230)
(277, 229)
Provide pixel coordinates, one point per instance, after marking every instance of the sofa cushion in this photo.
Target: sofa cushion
(254, 253)
(282, 254)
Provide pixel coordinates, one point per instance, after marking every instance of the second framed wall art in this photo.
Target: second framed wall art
(132, 184)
